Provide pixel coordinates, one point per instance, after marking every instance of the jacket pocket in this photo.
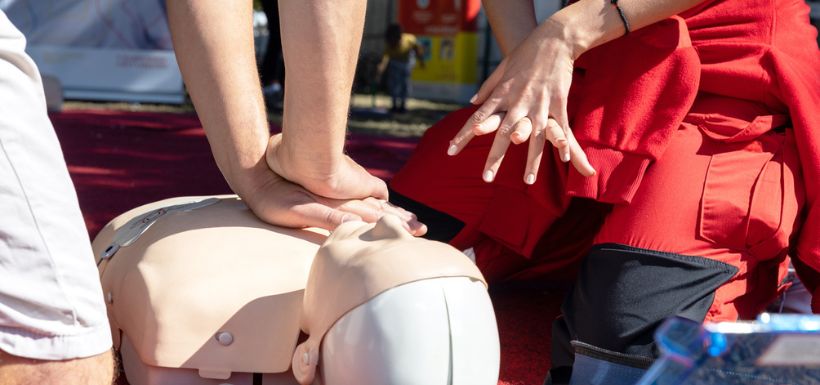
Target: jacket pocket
(749, 202)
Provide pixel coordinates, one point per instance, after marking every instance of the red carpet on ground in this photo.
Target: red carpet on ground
(120, 160)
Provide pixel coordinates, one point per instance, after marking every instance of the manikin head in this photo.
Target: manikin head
(212, 295)
(384, 307)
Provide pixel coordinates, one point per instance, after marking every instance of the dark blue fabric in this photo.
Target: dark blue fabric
(398, 81)
(592, 371)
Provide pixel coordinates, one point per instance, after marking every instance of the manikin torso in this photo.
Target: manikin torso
(205, 293)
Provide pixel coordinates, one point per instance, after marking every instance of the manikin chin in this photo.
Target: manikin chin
(200, 291)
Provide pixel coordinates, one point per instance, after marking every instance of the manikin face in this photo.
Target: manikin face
(433, 331)
(358, 242)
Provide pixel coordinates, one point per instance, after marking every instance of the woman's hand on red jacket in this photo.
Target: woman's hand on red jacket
(525, 98)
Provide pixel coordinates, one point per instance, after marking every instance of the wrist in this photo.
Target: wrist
(240, 165)
(246, 181)
(300, 163)
(574, 32)
(587, 24)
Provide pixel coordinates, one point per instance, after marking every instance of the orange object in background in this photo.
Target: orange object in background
(448, 31)
(426, 17)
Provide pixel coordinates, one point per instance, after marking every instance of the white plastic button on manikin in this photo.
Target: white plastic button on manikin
(224, 338)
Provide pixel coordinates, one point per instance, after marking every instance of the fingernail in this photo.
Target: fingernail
(452, 150)
(422, 229)
(565, 157)
(488, 176)
(306, 358)
(530, 179)
(472, 100)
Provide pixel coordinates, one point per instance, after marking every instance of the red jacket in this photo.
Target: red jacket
(631, 94)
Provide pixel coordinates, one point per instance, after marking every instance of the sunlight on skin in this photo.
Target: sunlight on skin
(95, 370)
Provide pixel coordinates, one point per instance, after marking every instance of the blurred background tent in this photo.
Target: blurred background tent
(120, 50)
(112, 50)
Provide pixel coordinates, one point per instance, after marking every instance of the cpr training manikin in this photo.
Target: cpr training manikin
(200, 291)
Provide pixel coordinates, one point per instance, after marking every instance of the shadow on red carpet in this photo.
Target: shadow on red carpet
(120, 160)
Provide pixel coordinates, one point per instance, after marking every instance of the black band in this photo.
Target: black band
(621, 14)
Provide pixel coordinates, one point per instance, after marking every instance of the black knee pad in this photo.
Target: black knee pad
(622, 295)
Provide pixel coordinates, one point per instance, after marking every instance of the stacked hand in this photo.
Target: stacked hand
(345, 179)
(348, 194)
(525, 98)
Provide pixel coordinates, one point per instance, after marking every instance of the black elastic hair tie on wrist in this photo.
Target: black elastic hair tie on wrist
(621, 14)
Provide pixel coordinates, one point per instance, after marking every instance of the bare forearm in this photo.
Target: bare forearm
(213, 40)
(512, 21)
(321, 48)
(590, 23)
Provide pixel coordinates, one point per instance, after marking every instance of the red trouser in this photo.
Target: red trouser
(724, 189)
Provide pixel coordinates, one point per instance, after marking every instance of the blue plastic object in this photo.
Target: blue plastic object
(775, 349)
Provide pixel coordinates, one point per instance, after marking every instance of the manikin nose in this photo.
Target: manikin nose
(390, 226)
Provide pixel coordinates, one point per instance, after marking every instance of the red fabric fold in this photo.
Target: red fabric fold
(630, 96)
(617, 179)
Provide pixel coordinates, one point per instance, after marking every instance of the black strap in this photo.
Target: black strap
(621, 14)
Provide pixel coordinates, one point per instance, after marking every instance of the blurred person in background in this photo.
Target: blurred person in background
(401, 51)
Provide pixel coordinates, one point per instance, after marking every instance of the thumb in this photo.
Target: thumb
(378, 189)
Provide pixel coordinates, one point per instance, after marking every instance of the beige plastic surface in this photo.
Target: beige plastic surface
(360, 261)
(193, 275)
(139, 373)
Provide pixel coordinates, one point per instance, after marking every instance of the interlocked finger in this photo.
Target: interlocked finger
(369, 211)
(522, 130)
(488, 125)
(555, 134)
(509, 121)
(496, 155)
(579, 157)
(471, 129)
(534, 154)
(562, 120)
